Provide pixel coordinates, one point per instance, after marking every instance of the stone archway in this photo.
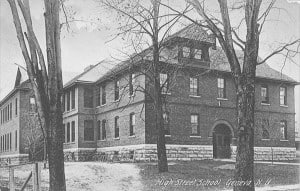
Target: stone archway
(222, 134)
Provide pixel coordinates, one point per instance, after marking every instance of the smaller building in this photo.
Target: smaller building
(20, 133)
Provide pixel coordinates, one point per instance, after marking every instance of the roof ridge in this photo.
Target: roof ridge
(82, 73)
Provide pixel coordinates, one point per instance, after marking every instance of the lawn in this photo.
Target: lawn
(185, 176)
(212, 175)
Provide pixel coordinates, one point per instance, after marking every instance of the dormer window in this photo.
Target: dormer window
(198, 54)
(186, 52)
(192, 53)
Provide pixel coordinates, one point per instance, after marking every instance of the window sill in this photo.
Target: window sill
(168, 93)
(103, 140)
(69, 143)
(69, 111)
(194, 96)
(116, 138)
(284, 106)
(222, 99)
(284, 140)
(195, 136)
(88, 141)
(266, 104)
(131, 136)
(265, 139)
(131, 96)
(167, 135)
(99, 106)
(115, 101)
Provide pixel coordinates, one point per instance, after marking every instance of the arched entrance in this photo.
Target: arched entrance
(222, 135)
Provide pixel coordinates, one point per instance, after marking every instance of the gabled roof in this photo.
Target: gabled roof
(218, 60)
(21, 83)
(92, 74)
(194, 32)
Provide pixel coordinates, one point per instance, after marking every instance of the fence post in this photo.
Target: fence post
(11, 179)
(36, 175)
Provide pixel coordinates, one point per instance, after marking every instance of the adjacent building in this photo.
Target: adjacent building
(20, 133)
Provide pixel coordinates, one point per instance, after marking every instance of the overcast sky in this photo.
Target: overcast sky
(86, 43)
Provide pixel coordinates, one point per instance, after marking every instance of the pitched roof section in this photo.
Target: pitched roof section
(194, 32)
(92, 74)
(219, 62)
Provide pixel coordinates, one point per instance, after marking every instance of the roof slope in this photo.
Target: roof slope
(218, 60)
(93, 73)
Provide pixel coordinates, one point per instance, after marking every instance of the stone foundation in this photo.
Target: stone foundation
(148, 153)
(270, 153)
(143, 152)
(13, 159)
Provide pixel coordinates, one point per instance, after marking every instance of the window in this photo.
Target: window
(283, 96)
(88, 130)
(103, 129)
(103, 96)
(195, 124)
(265, 127)
(10, 111)
(64, 133)
(198, 54)
(68, 100)
(117, 90)
(194, 91)
(32, 104)
(166, 123)
(163, 78)
(73, 132)
(131, 124)
(99, 130)
(221, 88)
(264, 94)
(10, 141)
(131, 83)
(16, 140)
(117, 127)
(63, 102)
(88, 97)
(283, 129)
(73, 98)
(98, 99)
(68, 132)
(186, 52)
(16, 106)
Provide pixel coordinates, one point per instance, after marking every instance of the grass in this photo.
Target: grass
(212, 175)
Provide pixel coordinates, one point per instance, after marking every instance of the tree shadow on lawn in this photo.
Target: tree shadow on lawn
(212, 175)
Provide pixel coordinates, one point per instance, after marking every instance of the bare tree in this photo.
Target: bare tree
(46, 81)
(149, 26)
(243, 72)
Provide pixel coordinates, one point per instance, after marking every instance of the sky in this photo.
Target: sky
(88, 40)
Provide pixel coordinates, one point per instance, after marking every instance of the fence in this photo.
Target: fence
(34, 175)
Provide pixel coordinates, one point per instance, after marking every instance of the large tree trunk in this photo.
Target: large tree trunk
(161, 141)
(47, 85)
(244, 168)
(158, 101)
(55, 133)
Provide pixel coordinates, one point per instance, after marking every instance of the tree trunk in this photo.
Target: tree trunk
(161, 141)
(158, 101)
(244, 171)
(55, 154)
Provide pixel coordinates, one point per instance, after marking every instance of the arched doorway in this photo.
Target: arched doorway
(222, 135)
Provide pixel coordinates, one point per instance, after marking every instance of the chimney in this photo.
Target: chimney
(88, 67)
